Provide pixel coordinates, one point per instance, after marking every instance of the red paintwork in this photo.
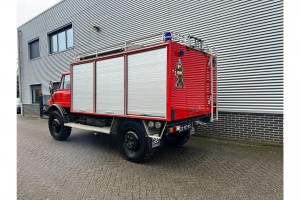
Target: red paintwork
(125, 85)
(188, 102)
(67, 72)
(61, 96)
(193, 99)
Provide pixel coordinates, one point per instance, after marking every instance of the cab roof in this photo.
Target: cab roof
(67, 72)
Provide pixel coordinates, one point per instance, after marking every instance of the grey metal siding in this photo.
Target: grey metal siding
(247, 34)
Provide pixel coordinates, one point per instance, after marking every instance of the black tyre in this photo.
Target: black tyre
(176, 139)
(133, 142)
(56, 126)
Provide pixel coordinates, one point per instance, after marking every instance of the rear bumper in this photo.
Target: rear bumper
(189, 124)
(204, 118)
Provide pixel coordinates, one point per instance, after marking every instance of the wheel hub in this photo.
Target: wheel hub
(131, 140)
(56, 125)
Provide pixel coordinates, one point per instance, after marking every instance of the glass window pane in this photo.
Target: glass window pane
(55, 86)
(36, 90)
(35, 95)
(62, 41)
(54, 43)
(70, 38)
(67, 82)
(62, 83)
(34, 51)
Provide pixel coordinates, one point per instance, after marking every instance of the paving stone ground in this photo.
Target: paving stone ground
(90, 167)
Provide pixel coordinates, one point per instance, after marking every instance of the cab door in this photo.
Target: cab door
(62, 95)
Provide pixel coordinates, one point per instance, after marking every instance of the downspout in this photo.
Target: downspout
(20, 69)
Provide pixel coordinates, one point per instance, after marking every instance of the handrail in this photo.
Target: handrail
(188, 40)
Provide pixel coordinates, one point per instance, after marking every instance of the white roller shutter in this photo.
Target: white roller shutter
(82, 90)
(146, 92)
(110, 86)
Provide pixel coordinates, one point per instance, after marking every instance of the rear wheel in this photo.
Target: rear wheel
(56, 126)
(176, 139)
(133, 142)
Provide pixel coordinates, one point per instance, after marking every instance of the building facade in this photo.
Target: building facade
(248, 36)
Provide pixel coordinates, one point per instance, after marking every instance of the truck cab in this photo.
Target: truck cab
(62, 95)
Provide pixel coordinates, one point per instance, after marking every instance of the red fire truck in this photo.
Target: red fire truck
(148, 91)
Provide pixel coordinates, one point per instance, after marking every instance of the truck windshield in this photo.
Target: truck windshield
(65, 82)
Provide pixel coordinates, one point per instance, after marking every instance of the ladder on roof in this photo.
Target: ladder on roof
(187, 40)
(213, 100)
(119, 47)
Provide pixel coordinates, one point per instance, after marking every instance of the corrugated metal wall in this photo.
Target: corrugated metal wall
(247, 34)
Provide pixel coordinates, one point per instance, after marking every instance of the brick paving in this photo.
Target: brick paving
(90, 167)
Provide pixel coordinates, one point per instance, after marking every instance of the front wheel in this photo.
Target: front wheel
(133, 142)
(56, 126)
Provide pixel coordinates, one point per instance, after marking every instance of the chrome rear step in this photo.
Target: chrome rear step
(90, 128)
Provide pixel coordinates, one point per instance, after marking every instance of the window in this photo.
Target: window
(65, 82)
(54, 47)
(34, 49)
(61, 40)
(36, 90)
(55, 86)
(69, 38)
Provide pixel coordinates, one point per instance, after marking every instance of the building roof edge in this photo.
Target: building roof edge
(40, 14)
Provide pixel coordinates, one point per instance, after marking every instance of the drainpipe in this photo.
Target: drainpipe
(20, 69)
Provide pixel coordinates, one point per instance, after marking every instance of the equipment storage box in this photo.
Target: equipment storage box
(164, 81)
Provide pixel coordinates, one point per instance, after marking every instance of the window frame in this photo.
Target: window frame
(34, 88)
(57, 32)
(62, 82)
(29, 51)
(55, 86)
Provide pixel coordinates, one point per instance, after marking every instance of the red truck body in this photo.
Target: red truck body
(145, 94)
(181, 103)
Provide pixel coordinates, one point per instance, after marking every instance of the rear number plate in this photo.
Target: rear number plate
(185, 127)
(155, 142)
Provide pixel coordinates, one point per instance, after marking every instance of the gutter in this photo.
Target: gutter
(20, 69)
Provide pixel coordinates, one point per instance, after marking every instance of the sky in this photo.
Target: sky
(28, 9)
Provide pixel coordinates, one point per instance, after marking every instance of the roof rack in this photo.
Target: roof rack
(189, 41)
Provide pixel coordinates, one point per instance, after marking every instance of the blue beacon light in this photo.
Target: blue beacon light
(181, 53)
(168, 36)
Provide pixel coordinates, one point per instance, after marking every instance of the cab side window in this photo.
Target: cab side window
(65, 82)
